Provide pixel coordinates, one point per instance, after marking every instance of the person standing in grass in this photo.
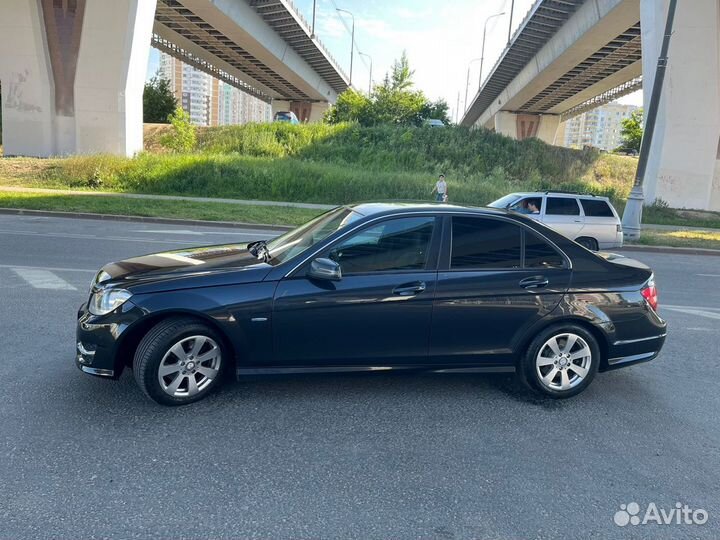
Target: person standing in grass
(440, 189)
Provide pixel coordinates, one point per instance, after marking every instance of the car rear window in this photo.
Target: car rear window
(562, 206)
(596, 208)
(485, 243)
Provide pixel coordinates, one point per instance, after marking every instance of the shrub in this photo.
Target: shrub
(182, 138)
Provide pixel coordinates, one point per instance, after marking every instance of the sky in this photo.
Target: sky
(442, 39)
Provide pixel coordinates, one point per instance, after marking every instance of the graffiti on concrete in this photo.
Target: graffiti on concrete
(14, 99)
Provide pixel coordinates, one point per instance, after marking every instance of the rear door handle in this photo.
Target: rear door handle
(534, 282)
(409, 289)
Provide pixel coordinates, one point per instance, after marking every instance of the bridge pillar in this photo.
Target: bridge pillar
(72, 74)
(523, 126)
(684, 161)
(304, 110)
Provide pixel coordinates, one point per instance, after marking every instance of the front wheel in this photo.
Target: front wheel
(179, 361)
(561, 361)
(588, 243)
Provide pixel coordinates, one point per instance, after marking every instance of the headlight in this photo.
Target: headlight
(101, 276)
(105, 301)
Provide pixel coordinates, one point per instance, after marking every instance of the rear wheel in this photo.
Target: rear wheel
(587, 242)
(561, 361)
(179, 361)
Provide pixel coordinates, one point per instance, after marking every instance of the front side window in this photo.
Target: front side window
(485, 243)
(393, 245)
(561, 206)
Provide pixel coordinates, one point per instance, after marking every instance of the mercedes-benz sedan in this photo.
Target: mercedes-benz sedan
(373, 287)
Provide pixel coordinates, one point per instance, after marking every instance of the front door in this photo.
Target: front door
(378, 314)
(496, 280)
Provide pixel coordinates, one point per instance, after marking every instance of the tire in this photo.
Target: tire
(588, 243)
(553, 373)
(176, 344)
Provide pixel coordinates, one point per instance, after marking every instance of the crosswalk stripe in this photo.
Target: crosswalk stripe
(43, 279)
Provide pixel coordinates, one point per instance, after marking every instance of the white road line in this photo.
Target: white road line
(93, 237)
(709, 275)
(43, 279)
(675, 306)
(23, 267)
(698, 312)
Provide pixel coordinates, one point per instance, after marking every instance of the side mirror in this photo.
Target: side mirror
(326, 269)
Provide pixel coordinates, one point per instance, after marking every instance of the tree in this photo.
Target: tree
(392, 102)
(632, 132)
(158, 101)
(182, 138)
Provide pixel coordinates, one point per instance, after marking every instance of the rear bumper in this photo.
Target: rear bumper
(633, 352)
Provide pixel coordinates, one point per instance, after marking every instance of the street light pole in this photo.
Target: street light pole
(312, 34)
(512, 8)
(632, 216)
(370, 81)
(352, 41)
(467, 82)
(482, 52)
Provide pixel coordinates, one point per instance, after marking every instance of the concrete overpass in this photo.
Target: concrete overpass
(568, 56)
(73, 71)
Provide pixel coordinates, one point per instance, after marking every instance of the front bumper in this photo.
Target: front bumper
(98, 340)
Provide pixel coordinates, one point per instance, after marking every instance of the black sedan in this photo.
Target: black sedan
(373, 287)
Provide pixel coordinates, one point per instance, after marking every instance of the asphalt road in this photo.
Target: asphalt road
(378, 455)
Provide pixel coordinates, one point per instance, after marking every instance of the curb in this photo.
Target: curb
(144, 219)
(669, 250)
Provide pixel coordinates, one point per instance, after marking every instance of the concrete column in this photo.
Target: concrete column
(72, 75)
(684, 162)
(523, 126)
(317, 112)
(112, 63)
(28, 108)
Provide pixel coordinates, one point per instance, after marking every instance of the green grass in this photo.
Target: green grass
(272, 215)
(695, 239)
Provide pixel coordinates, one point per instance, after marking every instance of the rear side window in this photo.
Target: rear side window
(540, 254)
(596, 208)
(561, 206)
(485, 243)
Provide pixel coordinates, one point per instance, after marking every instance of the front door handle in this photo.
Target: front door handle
(534, 282)
(409, 289)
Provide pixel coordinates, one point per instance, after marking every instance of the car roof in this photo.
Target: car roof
(559, 194)
(389, 207)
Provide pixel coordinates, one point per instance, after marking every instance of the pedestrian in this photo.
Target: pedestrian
(440, 189)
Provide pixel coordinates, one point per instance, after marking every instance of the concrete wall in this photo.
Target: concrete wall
(523, 126)
(684, 167)
(73, 77)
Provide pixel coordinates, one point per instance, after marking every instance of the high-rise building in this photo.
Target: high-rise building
(599, 127)
(208, 101)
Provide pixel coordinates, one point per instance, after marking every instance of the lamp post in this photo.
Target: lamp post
(352, 40)
(312, 34)
(467, 81)
(482, 52)
(632, 216)
(370, 81)
(512, 8)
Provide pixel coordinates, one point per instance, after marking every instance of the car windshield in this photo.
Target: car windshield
(505, 201)
(283, 116)
(294, 242)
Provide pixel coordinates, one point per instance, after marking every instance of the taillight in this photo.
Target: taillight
(649, 293)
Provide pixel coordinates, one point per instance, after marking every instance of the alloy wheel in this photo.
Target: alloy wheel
(563, 362)
(189, 366)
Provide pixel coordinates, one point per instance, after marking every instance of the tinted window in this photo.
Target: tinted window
(397, 244)
(540, 254)
(595, 208)
(484, 243)
(562, 206)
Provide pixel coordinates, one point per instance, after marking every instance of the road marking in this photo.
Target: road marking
(698, 312)
(43, 279)
(200, 233)
(704, 308)
(709, 275)
(94, 237)
(701, 329)
(23, 267)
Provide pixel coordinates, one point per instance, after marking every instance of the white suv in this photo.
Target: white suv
(589, 220)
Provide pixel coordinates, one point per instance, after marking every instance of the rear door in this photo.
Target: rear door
(601, 223)
(563, 214)
(496, 279)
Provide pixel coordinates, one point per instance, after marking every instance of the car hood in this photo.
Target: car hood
(184, 268)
